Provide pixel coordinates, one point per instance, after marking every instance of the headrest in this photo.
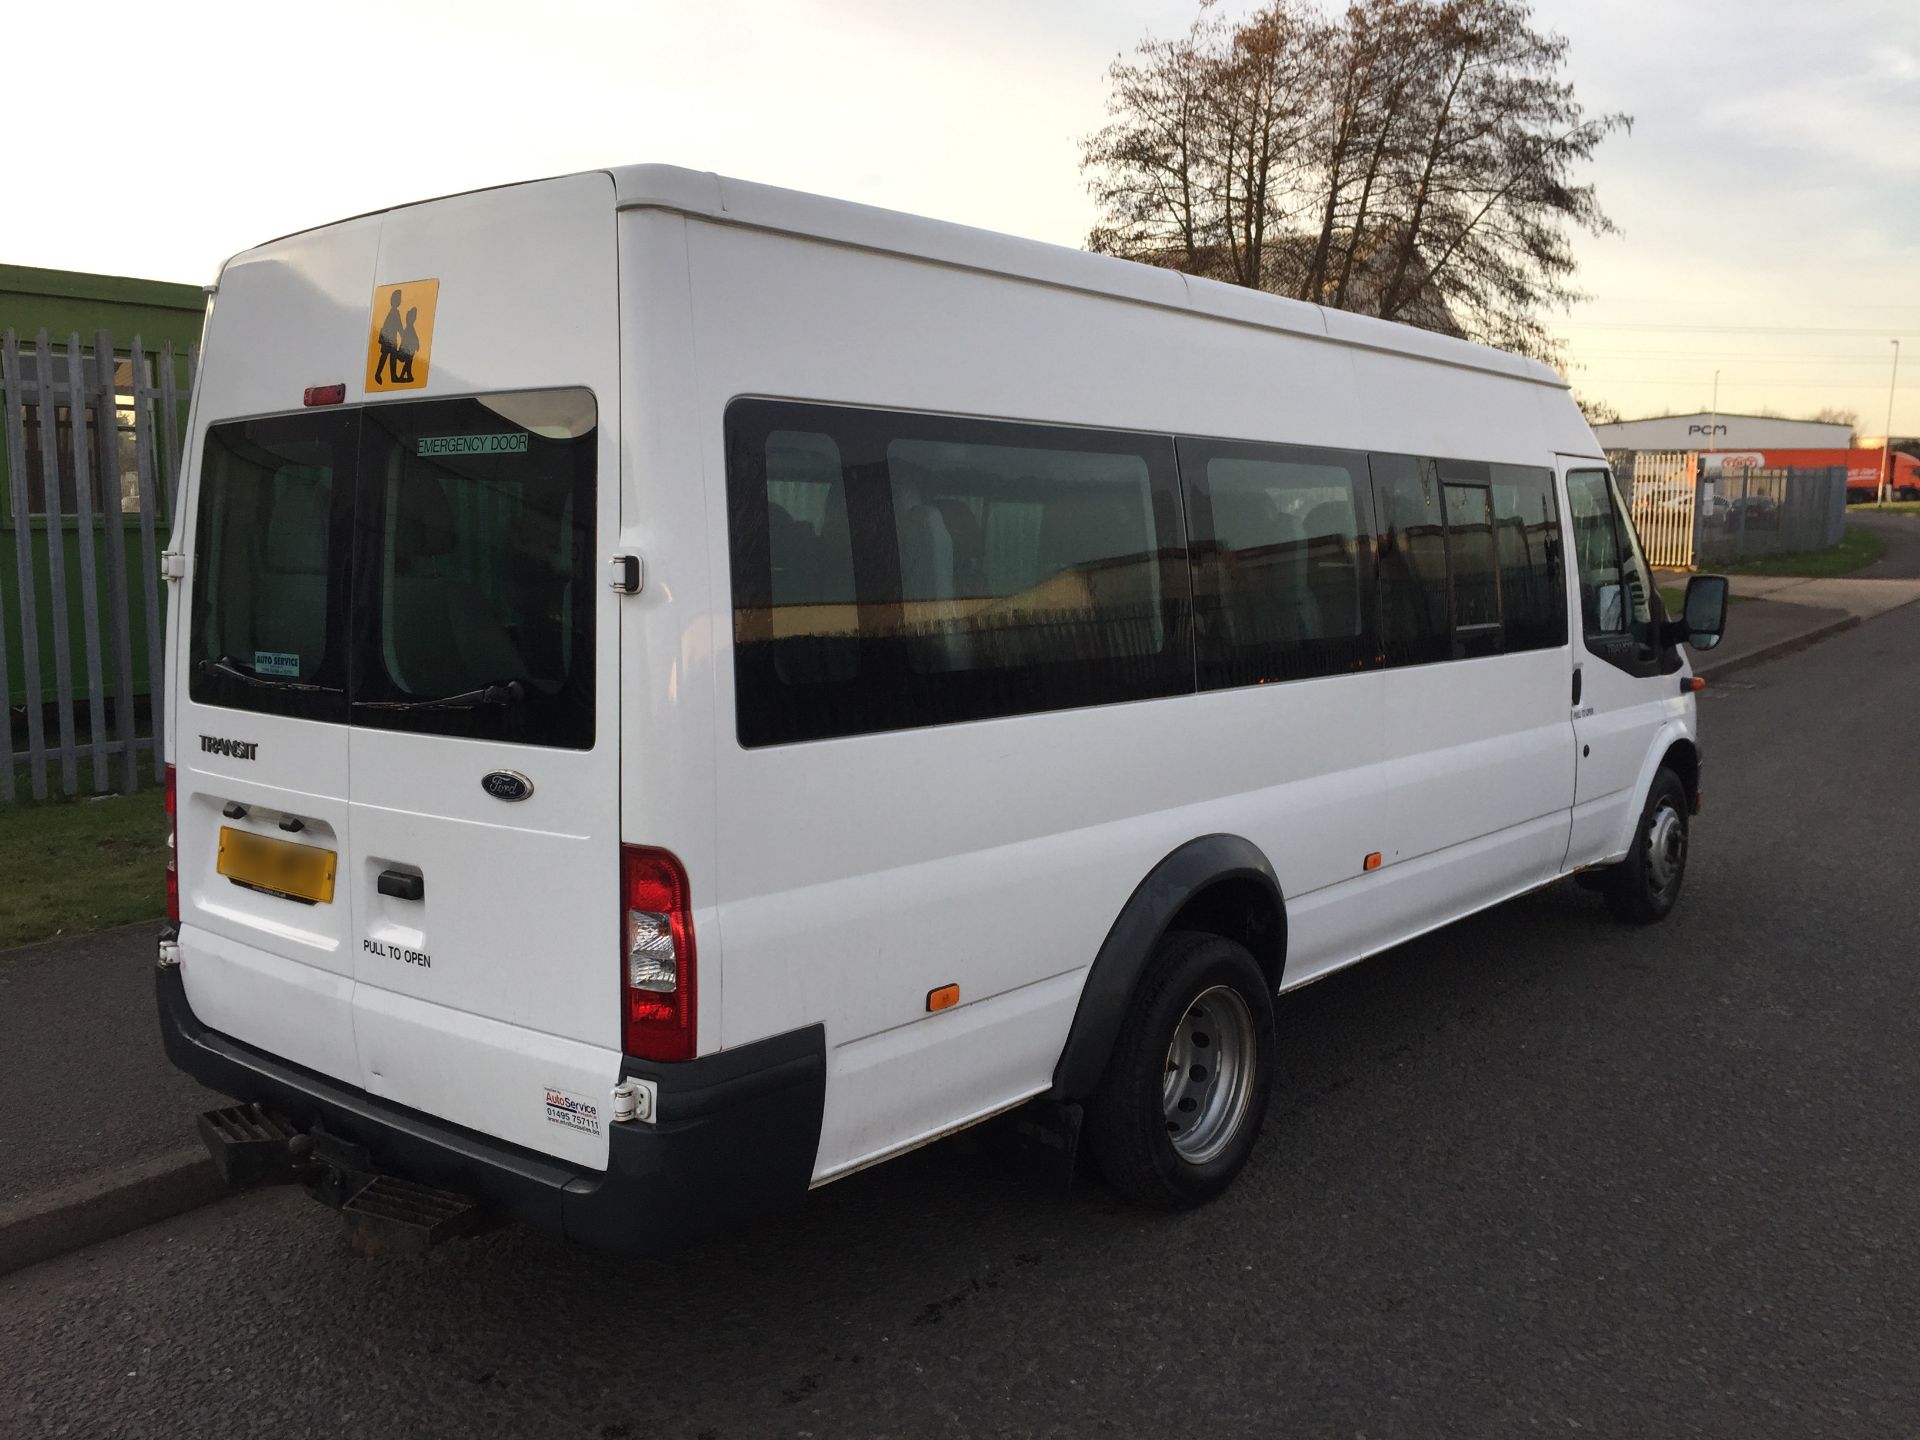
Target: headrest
(426, 516)
(1330, 518)
(297, 530)
(1244, 519)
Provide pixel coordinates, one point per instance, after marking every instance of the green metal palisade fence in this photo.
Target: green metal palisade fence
(92, 461)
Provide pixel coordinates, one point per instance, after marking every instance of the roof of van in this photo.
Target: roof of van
(867, 227)
(894, 232)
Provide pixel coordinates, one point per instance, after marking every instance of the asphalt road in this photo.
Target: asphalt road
(1539, 1174)
(1901, 534)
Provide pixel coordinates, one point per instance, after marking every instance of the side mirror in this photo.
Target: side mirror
(1705, 611)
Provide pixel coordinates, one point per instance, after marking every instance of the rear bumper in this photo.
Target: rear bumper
(736, 1137)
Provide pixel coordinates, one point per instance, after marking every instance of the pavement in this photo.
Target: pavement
(1537, 1173)
(97, 1134)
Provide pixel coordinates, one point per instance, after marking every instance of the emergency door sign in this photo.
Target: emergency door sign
(400, 341)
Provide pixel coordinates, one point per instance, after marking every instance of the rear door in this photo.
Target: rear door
(261, 755)
(483, 749)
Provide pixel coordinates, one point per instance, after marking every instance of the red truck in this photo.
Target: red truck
(1864, 468)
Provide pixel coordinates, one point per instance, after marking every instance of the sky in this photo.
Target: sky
(1768, 197)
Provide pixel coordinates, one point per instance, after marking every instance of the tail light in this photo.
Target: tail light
(656, 956)
(172, 802)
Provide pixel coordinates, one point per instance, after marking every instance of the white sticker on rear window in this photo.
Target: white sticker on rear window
(513, 444)
(276, 662)
(572, 1112)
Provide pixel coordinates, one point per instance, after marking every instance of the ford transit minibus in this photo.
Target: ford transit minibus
(681, 690)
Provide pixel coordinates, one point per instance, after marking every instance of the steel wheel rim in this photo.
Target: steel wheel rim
(1208, 1083)
(1666, 847)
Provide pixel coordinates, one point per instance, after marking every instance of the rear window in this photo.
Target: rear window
(422, 566)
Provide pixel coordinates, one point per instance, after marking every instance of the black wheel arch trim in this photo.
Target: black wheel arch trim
(1143, 920)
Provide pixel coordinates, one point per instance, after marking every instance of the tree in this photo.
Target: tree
(1412, 159)
(1598, 412)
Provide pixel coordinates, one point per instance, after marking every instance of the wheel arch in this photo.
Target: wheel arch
(1222, 884)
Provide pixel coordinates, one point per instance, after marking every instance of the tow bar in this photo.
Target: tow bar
(384, 1214)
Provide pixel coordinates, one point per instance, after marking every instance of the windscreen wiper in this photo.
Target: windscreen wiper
(509, 692)
(228, 666)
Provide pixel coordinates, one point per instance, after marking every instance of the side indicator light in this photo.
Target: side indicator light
(944, 998)
(324, 395)
(1695, 684)
(1373, 860)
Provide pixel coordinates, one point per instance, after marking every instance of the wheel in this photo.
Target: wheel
(1643, 887)
(1185, 1091)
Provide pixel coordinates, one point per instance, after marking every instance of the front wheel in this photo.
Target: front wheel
(1643, 887)
(1185, 1090)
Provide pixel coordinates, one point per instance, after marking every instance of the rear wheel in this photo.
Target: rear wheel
(1185, 1091)
(1643, 887)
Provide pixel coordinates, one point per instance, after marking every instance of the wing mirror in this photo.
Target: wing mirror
(1704, 612)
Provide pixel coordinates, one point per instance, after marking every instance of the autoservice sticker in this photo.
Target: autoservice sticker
(572, 1112)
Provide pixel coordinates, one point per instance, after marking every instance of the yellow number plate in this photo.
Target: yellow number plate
(300, 872)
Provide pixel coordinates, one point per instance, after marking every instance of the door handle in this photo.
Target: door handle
(401, 885)
(1576, 684)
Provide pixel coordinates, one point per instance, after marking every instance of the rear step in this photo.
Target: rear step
(389, 1215)
(384, 1214)
(251, 1147)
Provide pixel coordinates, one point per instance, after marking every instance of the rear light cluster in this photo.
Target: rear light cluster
(656, 956)
(173, 848)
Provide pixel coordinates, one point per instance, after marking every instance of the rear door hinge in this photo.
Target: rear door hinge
(173, 564)
(627, 573)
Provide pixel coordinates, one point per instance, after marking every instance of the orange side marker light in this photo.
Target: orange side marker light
(1695, 683)
(1373, 860)
(944, 998)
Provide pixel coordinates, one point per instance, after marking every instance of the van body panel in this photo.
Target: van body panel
(676, 630)
(274, 967)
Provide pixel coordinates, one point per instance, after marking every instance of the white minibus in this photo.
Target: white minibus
(680, 690)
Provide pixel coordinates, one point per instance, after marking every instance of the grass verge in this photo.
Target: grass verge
(1892, 507)
(1859, 548)
(79, 865)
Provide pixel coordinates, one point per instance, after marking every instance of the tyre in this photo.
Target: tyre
(1643, 887)
(1185, 1091)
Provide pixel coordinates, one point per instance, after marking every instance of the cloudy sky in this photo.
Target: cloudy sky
(1769, 195)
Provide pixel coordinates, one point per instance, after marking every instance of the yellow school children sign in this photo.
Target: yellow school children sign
(400, 341)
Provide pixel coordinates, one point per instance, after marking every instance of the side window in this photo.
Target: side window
(1620, 612)
(896, 570)
(1416, 625)
(1533, 588)
(1476, 577)
(1282, 572)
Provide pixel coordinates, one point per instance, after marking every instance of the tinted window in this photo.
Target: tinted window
(1416, 624)
(1533, 588)
(895, 570)
(403, 556)
(475, 586)
(268, 628)
(1476, 578)
(1281, 546)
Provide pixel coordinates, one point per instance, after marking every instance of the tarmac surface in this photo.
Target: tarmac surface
(1900, 533)
(1538, 1173)
(86, 1077)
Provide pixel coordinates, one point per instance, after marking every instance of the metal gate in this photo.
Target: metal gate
(1664, 494)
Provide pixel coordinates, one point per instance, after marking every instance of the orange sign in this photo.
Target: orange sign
(400, 339)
